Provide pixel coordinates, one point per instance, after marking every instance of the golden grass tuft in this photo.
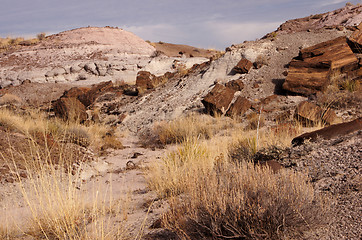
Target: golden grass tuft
(192, 126)
(53, 194)
(214, 196)
(11, 42)
(246, 202)
(33, 123)
(60, 209)
(351, 85)
(171, 176)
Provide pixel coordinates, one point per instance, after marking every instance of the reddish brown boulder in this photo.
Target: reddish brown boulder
(239, 107)
(91, 95)
(146, 80)
(70, 109)
(243, 66)
(218, 99)
(236, 85)
(317, 66)
(309, 113)
(330, 132)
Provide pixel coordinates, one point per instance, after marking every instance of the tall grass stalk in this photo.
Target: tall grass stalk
(56, 201)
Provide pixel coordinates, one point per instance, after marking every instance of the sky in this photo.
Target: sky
(201, 23)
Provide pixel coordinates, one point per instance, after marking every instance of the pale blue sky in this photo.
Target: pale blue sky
(202, 23)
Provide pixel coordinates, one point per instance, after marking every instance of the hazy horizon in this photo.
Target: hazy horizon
(208, 24)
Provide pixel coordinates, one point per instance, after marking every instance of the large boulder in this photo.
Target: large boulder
(239, 107)
(309, 113)
(218, 99)
(316, 66)
(70, 109)
(243, 66)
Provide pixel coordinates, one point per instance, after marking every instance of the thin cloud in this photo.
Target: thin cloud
(330, 3)
(205, 23)
(234, 32)
(154, 32)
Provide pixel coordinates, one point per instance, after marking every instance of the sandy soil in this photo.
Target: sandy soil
(121, 173)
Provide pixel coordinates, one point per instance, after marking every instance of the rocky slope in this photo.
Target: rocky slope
(250, 76)
(334, 166)
(346, 17)
(85, 56)
(183, 94)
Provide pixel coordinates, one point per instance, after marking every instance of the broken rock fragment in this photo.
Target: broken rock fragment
(236, 85)
(70, 109)
(243, 66)
(239, 107)
(218, 99)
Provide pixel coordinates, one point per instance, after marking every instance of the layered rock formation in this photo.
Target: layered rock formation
(317, 66)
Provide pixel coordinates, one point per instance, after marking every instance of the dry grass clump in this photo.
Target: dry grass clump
(242, 149)
(191, 126)
(35, 124)
(10, 42)
(194, 157)
(61, 210)
(351, 85)
(334, 98)
(111, 142)
(52, 192)
(7, 43)
(216, 191)
(246, 202)
(78, 136)
(171, 176)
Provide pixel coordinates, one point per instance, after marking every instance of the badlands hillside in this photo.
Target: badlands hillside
(106, 136)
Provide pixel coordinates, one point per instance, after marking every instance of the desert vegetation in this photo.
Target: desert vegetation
(14, 42)
(44, 158)
(216, 190)
(106, 136)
